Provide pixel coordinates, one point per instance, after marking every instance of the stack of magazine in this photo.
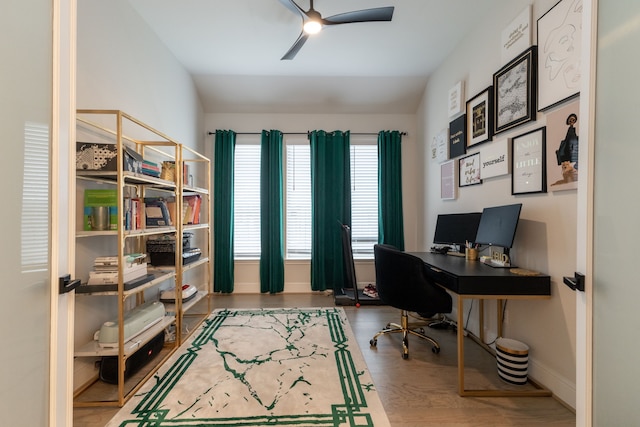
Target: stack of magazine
(105, 269)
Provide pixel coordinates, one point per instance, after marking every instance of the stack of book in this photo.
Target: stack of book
(105, 269)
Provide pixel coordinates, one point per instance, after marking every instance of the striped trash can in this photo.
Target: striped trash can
(513, 360)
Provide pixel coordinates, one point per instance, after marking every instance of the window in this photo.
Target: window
(298, 200)
(246, 204)
(364, 198)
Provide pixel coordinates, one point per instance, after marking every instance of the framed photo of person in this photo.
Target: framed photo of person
(529, 161)
(515, 91)
(559, 48)
(479, 118)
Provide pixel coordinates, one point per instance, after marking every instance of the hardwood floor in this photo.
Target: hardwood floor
(417, 392)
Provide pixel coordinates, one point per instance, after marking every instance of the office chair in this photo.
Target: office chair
(349, 294)
(402, 283)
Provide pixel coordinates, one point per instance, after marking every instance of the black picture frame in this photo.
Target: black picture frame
(529, 162)
(469, 170)
(514, 87)
(480, 118)
(458, 137)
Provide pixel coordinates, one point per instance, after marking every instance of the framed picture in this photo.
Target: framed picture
(469, 170)
(559, 41)
(440, 146)
(457, 137)
(529, 162)
(562, 157)
(516, 37)
(494, 159)
(448, 180)
(456, 99)
(514, 91)
(479, 123)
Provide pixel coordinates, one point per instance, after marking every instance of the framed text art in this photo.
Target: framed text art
(469, 170)
(514, 90)
(448, 180)
(516, 37)
(457, 137)
(494, 159)
(456, 99)
(529, 162)
(559, 41)
(440, 146)
(479, 123)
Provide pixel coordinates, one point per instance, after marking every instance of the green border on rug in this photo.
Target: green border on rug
(352, 412)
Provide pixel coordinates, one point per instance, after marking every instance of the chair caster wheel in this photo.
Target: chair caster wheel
(421, 331)
(405, 356)
(436, 350)
(373, 343)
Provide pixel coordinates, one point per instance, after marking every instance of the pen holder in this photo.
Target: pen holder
(471, 254)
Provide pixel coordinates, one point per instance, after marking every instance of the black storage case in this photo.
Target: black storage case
(163, 251)
(109, 364)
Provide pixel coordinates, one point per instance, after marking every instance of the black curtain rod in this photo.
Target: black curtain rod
(305, 133)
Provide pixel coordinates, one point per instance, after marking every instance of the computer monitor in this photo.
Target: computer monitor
(498, 225)
(456, 229)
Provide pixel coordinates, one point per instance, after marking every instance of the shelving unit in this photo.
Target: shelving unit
(98, 303)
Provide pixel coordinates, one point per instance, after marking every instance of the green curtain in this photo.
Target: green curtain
(271, 213)
(390, 223)
(330, 206)
(225, 142)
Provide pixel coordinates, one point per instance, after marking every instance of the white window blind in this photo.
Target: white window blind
(364, 198)
(298, 205)
(246, 214)
(35, 199)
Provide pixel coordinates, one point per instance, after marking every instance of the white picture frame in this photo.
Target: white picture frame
(495, 159)
(456, 99)
(559, 53)
(448, 180)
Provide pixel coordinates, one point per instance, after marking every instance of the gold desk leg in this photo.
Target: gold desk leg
(460, 346)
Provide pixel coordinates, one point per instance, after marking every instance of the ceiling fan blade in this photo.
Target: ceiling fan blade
(291, 53)
(365, 15)
(293, 7)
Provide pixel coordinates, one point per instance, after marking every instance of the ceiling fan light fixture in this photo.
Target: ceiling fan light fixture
(312, 27)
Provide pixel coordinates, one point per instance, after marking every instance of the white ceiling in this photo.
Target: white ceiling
(232, 48)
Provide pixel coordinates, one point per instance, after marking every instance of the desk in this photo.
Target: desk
(475, 280)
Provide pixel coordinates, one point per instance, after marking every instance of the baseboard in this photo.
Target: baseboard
(562, 389)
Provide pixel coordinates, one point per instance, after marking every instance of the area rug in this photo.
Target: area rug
(261, 367)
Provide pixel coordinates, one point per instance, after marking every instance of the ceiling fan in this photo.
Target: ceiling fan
(313, 22)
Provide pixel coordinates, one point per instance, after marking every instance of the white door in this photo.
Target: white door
(609, 204)
(34, 368)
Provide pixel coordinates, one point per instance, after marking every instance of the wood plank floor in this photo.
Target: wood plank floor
(417, 392)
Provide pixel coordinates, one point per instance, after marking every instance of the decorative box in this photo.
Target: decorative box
(103, 157)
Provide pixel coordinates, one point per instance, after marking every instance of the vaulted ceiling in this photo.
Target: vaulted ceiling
(233, 50)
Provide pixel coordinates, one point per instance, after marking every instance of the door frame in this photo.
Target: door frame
(584, 217)
(63, 99)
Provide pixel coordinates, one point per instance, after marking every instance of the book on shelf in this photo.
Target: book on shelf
(99, 198)
(156, 212)
(190, 208)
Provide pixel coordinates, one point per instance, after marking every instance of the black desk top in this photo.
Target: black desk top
(475, 278)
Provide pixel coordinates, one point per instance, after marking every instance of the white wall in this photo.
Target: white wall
(297, 273)
(546, 236)
(122, 65)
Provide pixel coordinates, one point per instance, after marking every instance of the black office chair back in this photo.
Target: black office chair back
(402, 282)
(347, 256)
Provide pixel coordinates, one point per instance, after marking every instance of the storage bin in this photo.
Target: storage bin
(513, 360)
